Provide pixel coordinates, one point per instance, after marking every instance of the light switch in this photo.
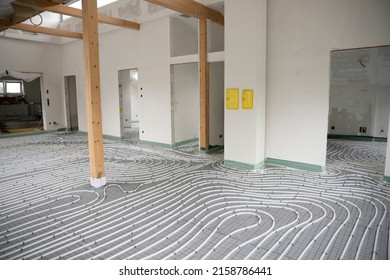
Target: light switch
(232, 98)
(247, 99)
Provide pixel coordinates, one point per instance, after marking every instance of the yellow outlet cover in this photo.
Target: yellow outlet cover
(247, 99)
(232, 98)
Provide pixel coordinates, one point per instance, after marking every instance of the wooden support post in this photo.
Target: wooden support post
(204, 86)
(92, 89)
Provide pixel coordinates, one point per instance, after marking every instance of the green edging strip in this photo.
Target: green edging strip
(296, 165)
(32, 133)
(357, 138)
(245, 166)
(386, 179)
(162, 145)
(110, 137)
(105, 136)
(185, 142)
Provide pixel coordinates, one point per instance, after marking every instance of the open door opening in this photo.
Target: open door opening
(71, 103)
(359, 97)
(20, 104)
(129, 104)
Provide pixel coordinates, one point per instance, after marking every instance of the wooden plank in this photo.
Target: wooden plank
(42, 5)
(41, 29)
(204, 86)
(191, 8)
(119, 22)
(92, 89)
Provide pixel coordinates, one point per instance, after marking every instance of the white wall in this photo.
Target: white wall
(25, 56)
(147, 50)
(184, 35)
(301, 34)
(185, 103)
(245, 61)
(215, 37)
(154, 82)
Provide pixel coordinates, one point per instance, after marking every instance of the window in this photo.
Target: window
(11, 88)
(14, 87)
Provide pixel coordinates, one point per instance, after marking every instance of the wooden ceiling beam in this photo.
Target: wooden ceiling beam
(41, 29)
(191, 8)
(42, 5)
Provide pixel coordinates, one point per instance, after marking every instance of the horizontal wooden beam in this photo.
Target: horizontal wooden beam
(191, 8)
(42, 5)
(41, 29)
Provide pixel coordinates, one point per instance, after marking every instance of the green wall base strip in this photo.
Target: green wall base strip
(386, 179)
(162, 145)
(105, 136)
(296, 165)
(357, 138)
(110, 137)
(271, 161)
(32, 133)
(185, 142)
(245, 166)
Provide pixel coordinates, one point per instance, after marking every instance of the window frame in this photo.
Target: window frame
(6, 93)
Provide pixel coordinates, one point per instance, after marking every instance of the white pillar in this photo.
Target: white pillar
(245, 68)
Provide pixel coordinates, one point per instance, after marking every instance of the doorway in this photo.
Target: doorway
(20, 104)
(359, 99)
(72, 118)
(186, 104)
(129, 104)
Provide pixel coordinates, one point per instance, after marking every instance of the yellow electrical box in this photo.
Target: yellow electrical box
(247, 99)
(232, 98)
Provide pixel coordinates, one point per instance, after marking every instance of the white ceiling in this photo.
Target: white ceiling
(370, 66)
(134, 10)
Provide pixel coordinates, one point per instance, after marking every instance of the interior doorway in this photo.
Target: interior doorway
(20, 103)
(359, 97)
(72, 119)
(186, 104)
(129, 104)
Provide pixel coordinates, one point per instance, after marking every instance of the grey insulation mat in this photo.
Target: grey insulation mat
(180, 204)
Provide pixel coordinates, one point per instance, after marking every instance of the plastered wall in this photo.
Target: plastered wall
(147, 50)
(301, 34)
(25, 56)
(245, 68)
